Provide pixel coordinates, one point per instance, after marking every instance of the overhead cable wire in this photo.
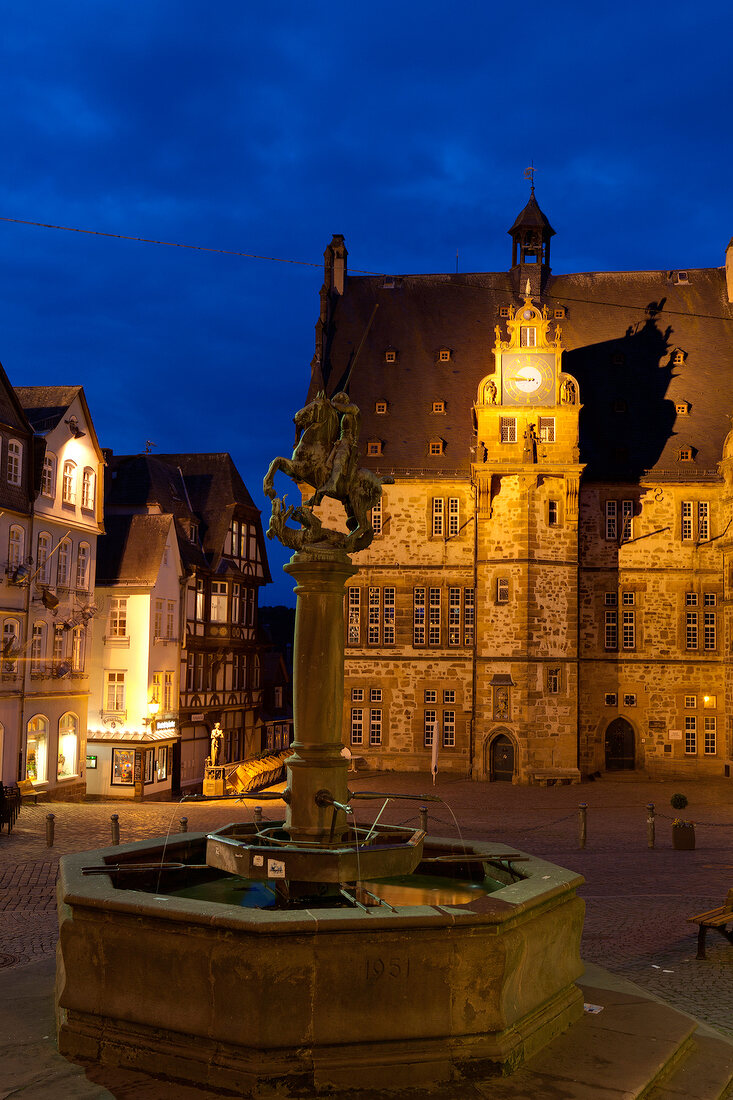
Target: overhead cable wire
(649, 307)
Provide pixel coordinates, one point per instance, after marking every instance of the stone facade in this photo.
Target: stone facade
(548, 590)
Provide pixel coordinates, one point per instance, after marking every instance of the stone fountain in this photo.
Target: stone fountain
(323, 985)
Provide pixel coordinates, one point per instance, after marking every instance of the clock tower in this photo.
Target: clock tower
(526, 473)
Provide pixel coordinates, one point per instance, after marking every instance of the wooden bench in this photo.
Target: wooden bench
(27, 790)
(714, 918)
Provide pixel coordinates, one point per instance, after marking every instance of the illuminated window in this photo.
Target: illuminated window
(678, 358)
(388, 625)
(438, 406)
(218, 601)
(508, 429)
(123, 767)
(682, 408)
(68, 485)
(199, 601)
(380, 408)
(546, 429)
(36, 768)
(162, 762)
(87, 488)
(15, 462)
(710, 731)
(68, 745)
(436, 447)
(48, 476)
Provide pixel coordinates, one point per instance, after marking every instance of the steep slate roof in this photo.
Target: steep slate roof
(643, 316)
(132, 549)
(45, 405)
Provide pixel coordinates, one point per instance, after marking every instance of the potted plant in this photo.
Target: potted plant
(683, 832)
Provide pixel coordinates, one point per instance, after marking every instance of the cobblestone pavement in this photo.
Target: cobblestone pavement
(638, 899)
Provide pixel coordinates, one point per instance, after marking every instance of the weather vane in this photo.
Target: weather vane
(529, 175)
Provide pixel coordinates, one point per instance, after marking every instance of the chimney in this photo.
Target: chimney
(334, 275)
(729, 269)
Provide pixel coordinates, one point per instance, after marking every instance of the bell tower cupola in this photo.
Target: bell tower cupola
(531, 235)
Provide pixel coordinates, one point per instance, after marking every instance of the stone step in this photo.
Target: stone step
(704, 1073)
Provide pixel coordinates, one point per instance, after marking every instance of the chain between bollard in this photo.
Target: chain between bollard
(650, 825)
(582, 824)
(50, 825)
(115, 823)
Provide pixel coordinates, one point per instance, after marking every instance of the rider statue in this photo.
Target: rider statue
(326, 456)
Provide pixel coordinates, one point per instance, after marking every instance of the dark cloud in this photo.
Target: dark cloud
(406, 127)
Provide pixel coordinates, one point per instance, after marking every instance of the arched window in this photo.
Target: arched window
(68, 745)
(11, 645)
(43, 572)
(15, 462)
(68, 490)
(16, 546)
(82, 565)
(38, 646)
(48, 477)
(37, 749)
(63, 563)
(87, 488)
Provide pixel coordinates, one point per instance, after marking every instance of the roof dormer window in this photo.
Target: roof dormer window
(374, 447)
(504, 311)
(444, 355)
(380, 407)
(678, 358)
(390, 355)
(436, 447)
(682, 408)
(559, 313)
(685, 454)
(438, 407)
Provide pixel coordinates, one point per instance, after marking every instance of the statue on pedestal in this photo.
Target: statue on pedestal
(217, 736)
(326, 457)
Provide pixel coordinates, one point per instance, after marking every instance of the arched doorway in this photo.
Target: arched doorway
(501, 759)
(620, 747)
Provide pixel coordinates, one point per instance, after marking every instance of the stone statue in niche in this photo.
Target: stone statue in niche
(490, 393)
(567, 392)
(325, 456)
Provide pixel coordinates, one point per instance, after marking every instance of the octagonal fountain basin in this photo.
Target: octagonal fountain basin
(462, 969)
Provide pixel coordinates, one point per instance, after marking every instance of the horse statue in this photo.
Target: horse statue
(325, 456)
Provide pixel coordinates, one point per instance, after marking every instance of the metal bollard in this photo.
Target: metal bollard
(582, 824)
(423, 818)
(184, 824)
(115, 822)
(258, 815)
(49, 830)
(650, 825)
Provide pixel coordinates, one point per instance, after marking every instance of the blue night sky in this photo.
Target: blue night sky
(406, 127)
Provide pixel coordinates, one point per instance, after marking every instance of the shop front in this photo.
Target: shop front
(131, 764)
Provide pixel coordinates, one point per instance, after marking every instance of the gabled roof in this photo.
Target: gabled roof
(131, 550)
(45, 405)
(12, 412)
(619, 331)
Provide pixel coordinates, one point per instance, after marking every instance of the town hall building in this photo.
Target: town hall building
(548, 593)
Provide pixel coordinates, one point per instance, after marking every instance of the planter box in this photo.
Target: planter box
(683, 837)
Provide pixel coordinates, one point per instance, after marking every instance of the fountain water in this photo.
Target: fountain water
(328, 979)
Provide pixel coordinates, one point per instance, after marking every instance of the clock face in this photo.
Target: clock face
(528, 378)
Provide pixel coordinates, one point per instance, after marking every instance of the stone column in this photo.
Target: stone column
(318, 695)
